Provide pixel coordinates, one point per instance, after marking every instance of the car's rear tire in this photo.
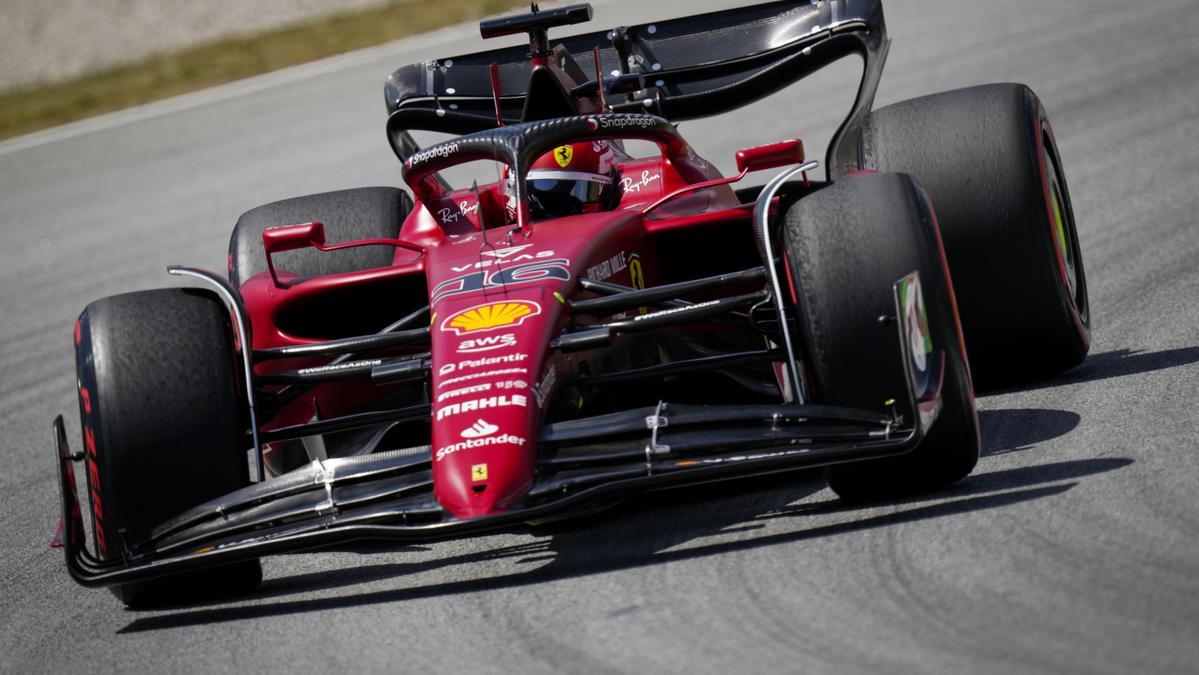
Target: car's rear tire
(846, 246)
(162, 424)
(987, 157)
(348, 215)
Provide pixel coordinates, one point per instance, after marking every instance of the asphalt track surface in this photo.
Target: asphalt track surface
(1072, 548)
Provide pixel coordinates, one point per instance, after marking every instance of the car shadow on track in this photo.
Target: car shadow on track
(1105, 365)
(1017, 429)
(652, 530)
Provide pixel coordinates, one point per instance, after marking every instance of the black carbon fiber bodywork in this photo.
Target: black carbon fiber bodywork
(692, 67)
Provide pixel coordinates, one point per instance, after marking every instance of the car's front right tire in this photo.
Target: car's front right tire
(846, 246)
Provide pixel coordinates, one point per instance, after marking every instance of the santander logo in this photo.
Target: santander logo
(480, 428)
(481, 434)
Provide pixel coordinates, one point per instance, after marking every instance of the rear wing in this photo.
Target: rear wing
(690, 67)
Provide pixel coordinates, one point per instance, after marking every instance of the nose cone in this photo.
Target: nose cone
(496, 308)
(485, 473)
(486, 357)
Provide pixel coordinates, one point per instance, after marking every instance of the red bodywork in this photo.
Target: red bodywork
(499, 293)
(498, 297)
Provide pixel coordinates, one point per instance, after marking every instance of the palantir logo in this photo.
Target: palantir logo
(480, 429)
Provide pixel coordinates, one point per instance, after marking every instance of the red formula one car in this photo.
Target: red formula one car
(585, 323)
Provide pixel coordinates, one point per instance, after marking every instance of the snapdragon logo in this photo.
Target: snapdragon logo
(481, 434)
(622, 121)
(435, 151)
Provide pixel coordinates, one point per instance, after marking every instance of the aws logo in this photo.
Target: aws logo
(488, 317)
(486, 343)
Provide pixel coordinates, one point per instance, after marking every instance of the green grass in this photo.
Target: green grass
(30, 109)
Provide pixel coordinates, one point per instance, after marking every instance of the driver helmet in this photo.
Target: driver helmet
(573, 179)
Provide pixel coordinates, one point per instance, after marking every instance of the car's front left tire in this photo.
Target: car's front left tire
(163, 430)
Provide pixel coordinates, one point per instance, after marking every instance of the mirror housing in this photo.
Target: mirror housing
(292, 237)
(771, 155)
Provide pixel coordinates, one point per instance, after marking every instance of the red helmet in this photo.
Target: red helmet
(572, 179)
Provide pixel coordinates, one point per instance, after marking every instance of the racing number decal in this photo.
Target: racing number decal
(638, 276)
(540, 270)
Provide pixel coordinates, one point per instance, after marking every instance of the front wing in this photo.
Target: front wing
(388, 495)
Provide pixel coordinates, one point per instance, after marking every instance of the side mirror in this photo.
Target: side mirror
(291, 237)
(771, 155)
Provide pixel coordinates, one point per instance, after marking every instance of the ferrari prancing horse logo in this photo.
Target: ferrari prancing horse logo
(563, 154)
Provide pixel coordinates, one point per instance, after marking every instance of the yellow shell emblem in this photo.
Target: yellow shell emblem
(489, 316)
(563, 154)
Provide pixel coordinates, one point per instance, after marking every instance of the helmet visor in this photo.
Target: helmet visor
(554, 197)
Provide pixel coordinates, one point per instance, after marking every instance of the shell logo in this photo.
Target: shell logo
(490, 316)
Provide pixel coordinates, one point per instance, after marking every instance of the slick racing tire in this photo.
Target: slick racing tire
(987, 157)
(348, 215)
(162, 424)
(846, 246)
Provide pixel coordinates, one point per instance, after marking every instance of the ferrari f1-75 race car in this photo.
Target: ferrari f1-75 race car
(584, 323)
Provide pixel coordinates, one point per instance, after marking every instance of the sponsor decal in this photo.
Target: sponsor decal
(500, 401)
(563, 154)
(676, 310)
(512, 384)
(449, 215)
(479, 363)
(340, 366)
(435, 151)
(486, 343)
(475, 389)
(608, 268)
(630, 184)
(622, 122)
(912, 303)
(635, 271)
(478, 472)
(606, 157)
(481, 434)
(503, 255)
(479, 429)
(542, 388)
(490, 316)
(476, 376)
(538, 270)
